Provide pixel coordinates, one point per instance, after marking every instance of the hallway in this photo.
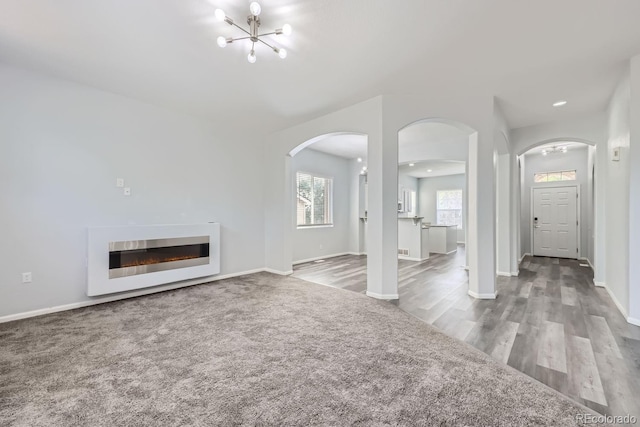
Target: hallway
(551, 322)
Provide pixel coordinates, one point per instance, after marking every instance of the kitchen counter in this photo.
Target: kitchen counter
(443, 239)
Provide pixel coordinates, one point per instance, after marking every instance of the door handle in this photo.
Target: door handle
(536, 226)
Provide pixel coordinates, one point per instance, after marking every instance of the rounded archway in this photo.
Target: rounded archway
(559, 164)
(441, 139)
(327, 181)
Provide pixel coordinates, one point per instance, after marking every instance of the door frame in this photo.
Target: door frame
(578, 213)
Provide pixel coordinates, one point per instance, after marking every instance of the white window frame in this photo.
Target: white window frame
(459, 227)
(562, 172)
(328, 201)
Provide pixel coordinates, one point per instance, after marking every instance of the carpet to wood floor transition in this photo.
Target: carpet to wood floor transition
(257, 350)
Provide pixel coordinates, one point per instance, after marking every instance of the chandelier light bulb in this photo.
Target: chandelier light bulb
(220, 15)
(253, 33)
(255, 8)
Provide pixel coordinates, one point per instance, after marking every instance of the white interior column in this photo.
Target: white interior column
(515, 215)
(503, 211)
(382, 226)
(634, 194)
(482, 248)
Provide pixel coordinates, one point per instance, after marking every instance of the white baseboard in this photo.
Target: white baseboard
(412, 259)
(515, 273)
(588, 262)
(302, 261)
(503, 274)
(382, 296)
(482, 296)
(278, 272)
(599, 284)
(121, 296)
(616, 302)
(633, 321)
(524, 255)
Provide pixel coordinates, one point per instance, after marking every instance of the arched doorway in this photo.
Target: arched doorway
(328, 202)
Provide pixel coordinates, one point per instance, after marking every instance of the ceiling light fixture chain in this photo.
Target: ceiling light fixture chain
(253, 20)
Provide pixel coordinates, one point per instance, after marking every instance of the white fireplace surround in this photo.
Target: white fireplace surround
(99, 239)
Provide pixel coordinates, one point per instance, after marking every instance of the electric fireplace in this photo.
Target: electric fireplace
(134, 257)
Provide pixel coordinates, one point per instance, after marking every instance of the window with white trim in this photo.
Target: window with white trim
(314, 200)
(449, 207)
(554, 176)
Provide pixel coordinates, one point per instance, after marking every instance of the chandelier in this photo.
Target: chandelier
(252, 33)
(554, 150)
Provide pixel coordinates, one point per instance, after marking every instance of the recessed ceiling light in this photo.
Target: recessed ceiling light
(559, 103)
(359, 159)
(412, 164)
(429, 170)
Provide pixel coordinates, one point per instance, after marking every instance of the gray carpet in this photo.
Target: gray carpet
(257, 350)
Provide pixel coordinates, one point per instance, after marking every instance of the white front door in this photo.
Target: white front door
(555, 222)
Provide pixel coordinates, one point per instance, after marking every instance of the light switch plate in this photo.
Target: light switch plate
(120, 182)
(127, 191)
(615, 154)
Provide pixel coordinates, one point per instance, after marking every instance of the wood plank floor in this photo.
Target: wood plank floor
(551, 322)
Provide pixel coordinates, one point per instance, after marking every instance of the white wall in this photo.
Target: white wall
(634, 195)
(575, 158)
(427, 199)
(315, 242)
(410, 183)
(617, 195)
(62, 147)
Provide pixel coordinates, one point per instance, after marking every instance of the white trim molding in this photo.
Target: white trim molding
(503, 274)
(278, 272)
(633, 321)
(515, 273)
(524, 255)
(407, 258)
(588, 262)
(483, 296)
(616, 302)
(111, 298)
(382, 296)
(302, 261)
(599, 284)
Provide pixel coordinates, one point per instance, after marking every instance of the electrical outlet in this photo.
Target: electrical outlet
(26, 277)
(120, 182)
(127, 191)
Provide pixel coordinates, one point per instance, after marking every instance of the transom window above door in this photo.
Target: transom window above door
(555, 176)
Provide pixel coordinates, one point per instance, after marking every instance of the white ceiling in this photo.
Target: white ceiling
(431, 168)
(347, 146)
(529, 54)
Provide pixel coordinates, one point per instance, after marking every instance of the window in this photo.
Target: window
(449, 207)
(555, 176)
(314, 201)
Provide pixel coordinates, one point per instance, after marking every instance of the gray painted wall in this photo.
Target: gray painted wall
(535, 162)
(62, 147)
(427, 205)
(316, 242)
(410, 183)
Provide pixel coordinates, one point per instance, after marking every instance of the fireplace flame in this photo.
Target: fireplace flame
(150, 261)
